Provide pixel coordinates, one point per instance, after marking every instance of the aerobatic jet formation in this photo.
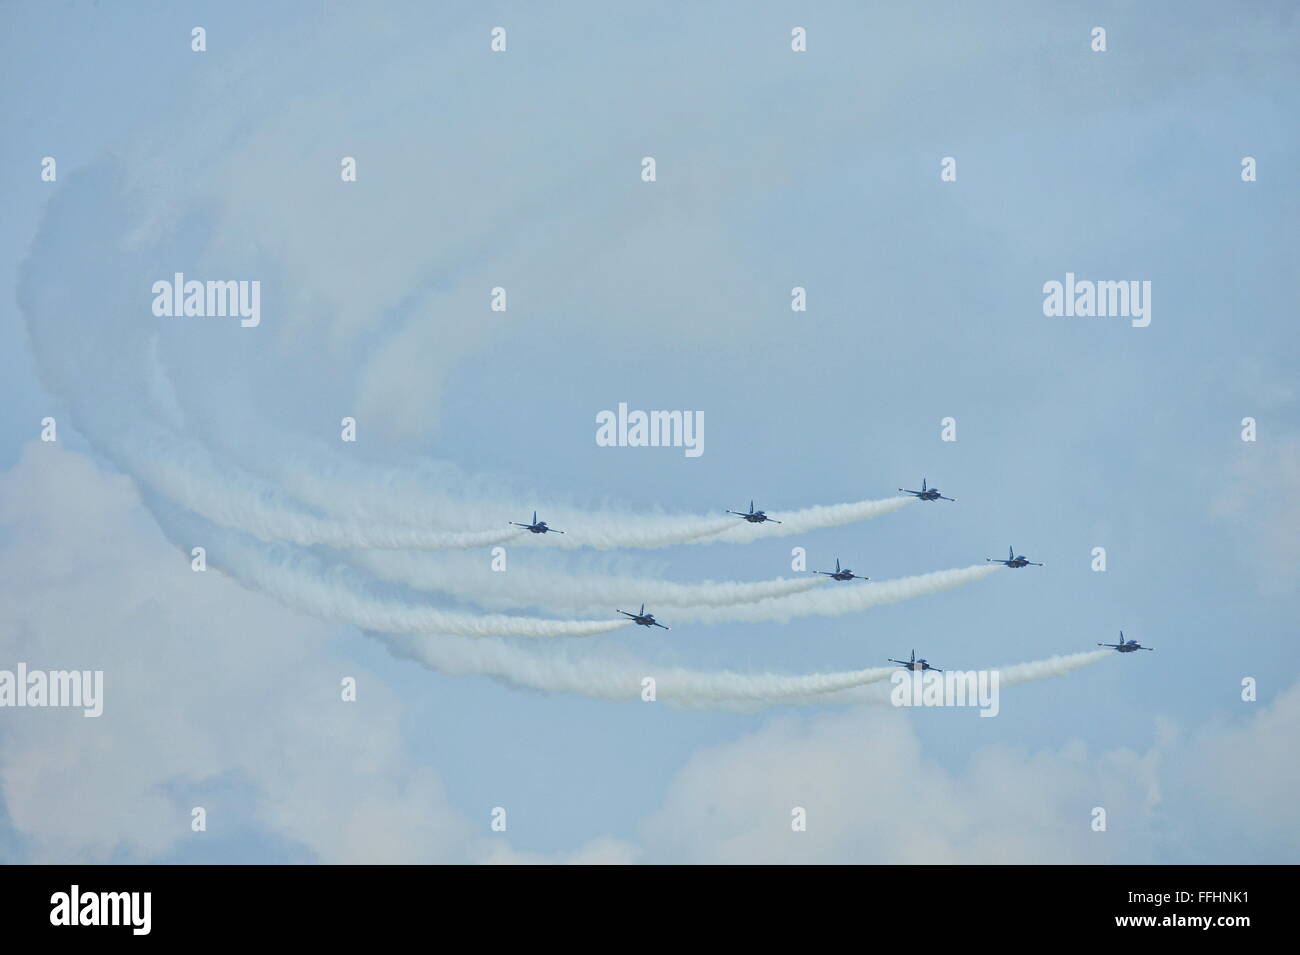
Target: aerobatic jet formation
(1125, 646)
(1013, 560)
(643, 619)
(537, 527)
(915, 664)
(753, 516)
(927, 493)
(839, 574)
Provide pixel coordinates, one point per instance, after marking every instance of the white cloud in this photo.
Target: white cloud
(872, 796)
(202, 679)
(1246, 771)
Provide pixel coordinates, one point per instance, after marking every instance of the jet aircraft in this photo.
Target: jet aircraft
(839, 574)
(927, 493)
(1125, 646)
(643, 619)
(1013, 560)
(753, 516)
(537, 527)
(915, 664)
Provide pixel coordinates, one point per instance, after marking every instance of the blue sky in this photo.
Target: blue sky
(775, 170)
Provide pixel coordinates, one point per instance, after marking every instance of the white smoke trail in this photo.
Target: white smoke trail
(420, 495)
(812, 519)
(576, 592)
(358, 496)
(839, 598)
(1007, 676)
(128, 425)
(299, 580)
(331, 598)
(606, 679)
(582, 531)
(1053, 666)
(189, 475)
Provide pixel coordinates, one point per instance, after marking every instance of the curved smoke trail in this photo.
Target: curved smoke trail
(605, 679)
(419, 495)
(189, 475)
(562, 591)
(1007, 676)
(833, 600)
(300, 580)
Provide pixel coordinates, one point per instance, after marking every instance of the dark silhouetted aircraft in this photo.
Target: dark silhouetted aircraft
(1125, 646)
(838, 574)
(643, 619)
(537, 527)
(927, 493)
(1013, 559)
(915, 664)
(753, 516)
